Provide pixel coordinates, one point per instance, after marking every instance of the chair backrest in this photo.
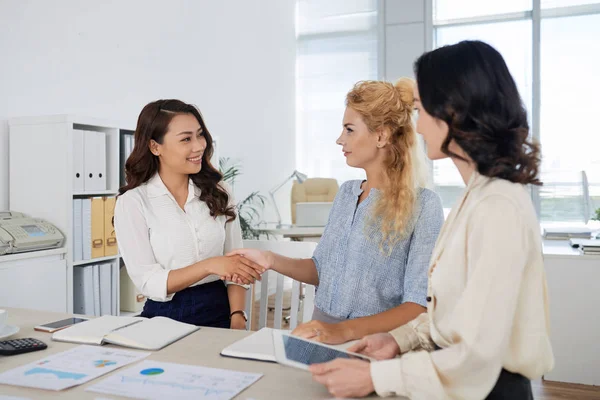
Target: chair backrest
(292, 250)
(313, 189)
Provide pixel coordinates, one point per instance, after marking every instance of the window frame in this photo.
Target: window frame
(536, 15)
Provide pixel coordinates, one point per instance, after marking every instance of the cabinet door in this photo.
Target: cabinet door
(36, 283)
(574, 323)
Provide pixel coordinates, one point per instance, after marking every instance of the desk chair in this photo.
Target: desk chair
(313, 189)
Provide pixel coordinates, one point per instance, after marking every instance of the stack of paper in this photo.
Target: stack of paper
(566, 233)
(590, 247)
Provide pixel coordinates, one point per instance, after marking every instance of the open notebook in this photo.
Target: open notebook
(134, 332)
(259, 346)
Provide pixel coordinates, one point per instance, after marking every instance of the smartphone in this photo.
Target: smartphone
(58, 325)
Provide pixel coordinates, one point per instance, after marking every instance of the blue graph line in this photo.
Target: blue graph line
(58, 374)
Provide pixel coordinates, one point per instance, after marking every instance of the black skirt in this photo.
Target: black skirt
(511, 386)
(201, 305)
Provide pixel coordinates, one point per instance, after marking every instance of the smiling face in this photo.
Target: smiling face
(360, 146)
(182, 147)
(433, 130)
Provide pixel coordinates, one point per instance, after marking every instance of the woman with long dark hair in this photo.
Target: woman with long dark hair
(485, 333)
(175, 218)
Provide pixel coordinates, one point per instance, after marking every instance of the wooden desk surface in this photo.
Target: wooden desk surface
(200, 348)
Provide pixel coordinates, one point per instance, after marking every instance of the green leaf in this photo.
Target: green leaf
(249, 209)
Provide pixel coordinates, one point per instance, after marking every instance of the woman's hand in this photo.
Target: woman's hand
(264, 258)
(323, 332)
(238, 322)
(380, 346)
(246, 270)
(344, 378)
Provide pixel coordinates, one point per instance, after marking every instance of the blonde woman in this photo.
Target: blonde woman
(371, 263)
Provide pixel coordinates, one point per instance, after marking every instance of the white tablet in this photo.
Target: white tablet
(301, 353)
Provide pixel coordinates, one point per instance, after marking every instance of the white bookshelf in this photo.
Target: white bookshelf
(96, 260)
(41, 174)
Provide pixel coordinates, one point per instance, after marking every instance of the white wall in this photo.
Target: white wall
(407, 35)
(107, 59)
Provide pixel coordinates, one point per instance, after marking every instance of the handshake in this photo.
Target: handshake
(243, 266)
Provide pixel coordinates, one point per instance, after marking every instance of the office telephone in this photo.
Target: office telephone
(20, 233)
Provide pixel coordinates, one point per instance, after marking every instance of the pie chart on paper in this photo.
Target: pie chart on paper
(152, 371)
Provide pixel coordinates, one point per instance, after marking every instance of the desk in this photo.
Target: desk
(312, 233)
(200, 348)
(573, 282)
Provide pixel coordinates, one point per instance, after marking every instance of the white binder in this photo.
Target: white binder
(83, 290)
(105, 289)
(94, 162)
(114, 288)
(86, 228)
(76, 240)
(96, 269)
(129, 146)
(78, 155)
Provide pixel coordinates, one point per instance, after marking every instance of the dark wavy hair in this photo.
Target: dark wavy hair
(468, 86)
(141, 165)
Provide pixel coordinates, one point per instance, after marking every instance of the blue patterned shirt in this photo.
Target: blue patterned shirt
(356, 278)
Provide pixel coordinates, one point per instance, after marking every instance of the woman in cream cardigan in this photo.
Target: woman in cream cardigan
(485, 333)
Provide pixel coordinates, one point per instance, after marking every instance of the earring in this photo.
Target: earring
(379, 145)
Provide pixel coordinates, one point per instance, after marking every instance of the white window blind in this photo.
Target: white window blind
(337, 42)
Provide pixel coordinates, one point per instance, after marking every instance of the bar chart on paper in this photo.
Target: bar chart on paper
(162, 380)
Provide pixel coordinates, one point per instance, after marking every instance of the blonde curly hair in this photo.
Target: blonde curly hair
(385, 106)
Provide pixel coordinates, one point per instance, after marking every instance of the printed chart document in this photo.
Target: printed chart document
(162, 380)
(70, 368)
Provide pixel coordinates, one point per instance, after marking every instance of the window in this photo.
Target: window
(565, 3)
(568, 87)
(569, 130)
(459, 9)
(337, 43)
(506, 38)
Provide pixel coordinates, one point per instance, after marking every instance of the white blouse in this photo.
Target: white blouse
(155, 235)
(488, 305)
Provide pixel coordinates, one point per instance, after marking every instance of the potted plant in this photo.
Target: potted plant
(597, 216)
(248, 209)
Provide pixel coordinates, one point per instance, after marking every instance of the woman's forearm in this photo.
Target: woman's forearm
(382, 322)
(183, 278)
(237, 297)
(299, 269)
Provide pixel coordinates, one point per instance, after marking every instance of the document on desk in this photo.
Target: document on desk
(163, 380)
(70, 368)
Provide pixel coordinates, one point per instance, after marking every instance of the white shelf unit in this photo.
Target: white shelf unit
(41, 173)
(96, 260)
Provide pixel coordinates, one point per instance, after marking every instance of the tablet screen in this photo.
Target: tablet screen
(310, 353)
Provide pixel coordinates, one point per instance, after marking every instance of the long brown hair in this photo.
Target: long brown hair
(383, 105)
(153, 124)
